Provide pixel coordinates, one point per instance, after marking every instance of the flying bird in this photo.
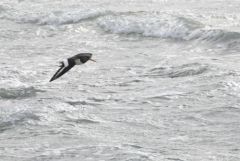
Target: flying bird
(71, 62)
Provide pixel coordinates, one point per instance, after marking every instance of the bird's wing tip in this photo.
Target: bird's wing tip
(52, 79)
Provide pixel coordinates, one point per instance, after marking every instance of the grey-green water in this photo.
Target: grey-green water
(165, 86)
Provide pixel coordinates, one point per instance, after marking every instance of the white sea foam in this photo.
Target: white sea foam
(63, 17)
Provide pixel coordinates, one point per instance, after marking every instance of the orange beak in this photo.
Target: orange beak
(93, 60)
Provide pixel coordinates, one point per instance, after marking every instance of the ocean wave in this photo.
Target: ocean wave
(18, 118)
(18, 92)
(214, 35)
(63, 17)
(184, 70)
(148, 25)
(160, 25)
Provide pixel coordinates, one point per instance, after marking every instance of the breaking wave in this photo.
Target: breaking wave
(165, 26)
(150, 25)
(62, 18)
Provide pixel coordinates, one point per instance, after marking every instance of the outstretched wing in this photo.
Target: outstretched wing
(62, 70)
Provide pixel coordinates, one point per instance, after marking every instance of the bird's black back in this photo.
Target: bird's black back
(84, 57)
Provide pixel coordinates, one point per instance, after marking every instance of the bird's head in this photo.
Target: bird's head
(84, 57)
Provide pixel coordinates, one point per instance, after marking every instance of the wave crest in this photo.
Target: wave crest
(61, 17)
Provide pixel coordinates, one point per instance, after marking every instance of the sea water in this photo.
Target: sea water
(165, 87)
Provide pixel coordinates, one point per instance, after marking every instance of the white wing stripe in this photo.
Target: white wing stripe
(65, 63)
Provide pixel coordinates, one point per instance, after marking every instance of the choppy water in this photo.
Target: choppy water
(165, 86)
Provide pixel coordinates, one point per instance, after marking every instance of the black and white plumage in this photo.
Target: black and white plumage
(71, 62)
